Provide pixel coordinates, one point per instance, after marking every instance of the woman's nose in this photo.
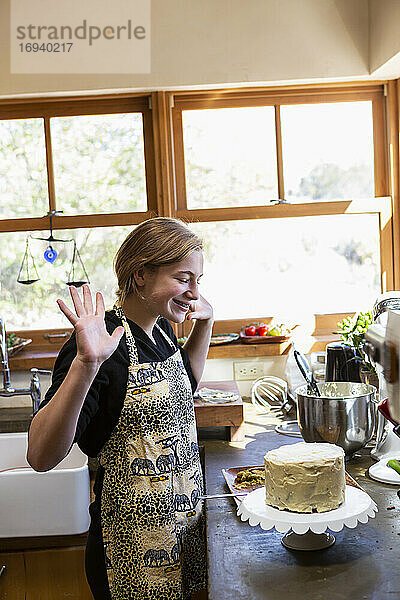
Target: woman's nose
(193, 291)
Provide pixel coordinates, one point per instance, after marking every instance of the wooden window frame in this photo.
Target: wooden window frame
(384, 204)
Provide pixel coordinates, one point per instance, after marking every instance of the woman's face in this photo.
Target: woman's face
(170, 290)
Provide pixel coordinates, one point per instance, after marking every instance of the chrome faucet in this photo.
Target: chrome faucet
(7, 390)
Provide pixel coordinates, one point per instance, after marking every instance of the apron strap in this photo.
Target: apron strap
(166, 336)
(130, 340)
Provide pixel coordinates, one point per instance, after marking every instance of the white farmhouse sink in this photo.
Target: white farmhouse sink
(34, 504)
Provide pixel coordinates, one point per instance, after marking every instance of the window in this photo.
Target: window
(91, 166)
(99, 163)
(230, 156)
(289, 268)
(288, 192)
(328, 151)
(23, 178)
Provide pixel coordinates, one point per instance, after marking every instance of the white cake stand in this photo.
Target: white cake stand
(307, 531)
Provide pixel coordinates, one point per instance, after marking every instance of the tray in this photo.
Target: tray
(262, 339)
(230, 475)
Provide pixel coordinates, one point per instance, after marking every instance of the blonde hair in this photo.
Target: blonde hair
(155, 242)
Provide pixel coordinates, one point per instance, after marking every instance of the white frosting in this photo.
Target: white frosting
(305, 477)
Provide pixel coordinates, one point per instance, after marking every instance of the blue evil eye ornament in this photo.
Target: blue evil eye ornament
(50, 254)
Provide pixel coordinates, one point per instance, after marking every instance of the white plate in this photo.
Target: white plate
(381, 472)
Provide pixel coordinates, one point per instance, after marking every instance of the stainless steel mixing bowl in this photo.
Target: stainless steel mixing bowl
(344, 414)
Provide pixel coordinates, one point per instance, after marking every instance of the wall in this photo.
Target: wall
(384, 35)
(223, 370)
(226, 42)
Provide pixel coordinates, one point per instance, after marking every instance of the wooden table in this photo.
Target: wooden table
(220, 415)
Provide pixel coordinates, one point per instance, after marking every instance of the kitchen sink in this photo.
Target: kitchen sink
(35, 504)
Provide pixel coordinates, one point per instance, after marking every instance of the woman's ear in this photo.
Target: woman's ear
(139, 277)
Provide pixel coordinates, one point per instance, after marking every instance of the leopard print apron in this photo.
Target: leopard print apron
(152, 520)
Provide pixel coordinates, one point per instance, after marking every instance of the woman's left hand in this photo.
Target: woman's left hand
(198, 341)
(200, 310)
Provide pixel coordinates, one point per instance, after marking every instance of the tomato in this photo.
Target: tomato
(250, 330)
(262, 330)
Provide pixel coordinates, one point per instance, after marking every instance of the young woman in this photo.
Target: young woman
(122, 389)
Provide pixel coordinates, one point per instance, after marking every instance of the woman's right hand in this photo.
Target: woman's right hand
(94, 343)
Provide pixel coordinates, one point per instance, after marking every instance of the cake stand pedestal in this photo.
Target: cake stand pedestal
(307, 531)
(308, 541)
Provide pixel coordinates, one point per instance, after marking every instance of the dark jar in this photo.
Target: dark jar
(343, 363)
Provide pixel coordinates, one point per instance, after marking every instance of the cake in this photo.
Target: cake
(305, 477)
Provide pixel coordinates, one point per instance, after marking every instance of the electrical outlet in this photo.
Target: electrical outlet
(248, 371)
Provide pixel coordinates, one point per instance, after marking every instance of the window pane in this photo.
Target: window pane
(99, 163)
(290, 268)
(328, 151)
(230, 156)
(23, 174)
(34, 306)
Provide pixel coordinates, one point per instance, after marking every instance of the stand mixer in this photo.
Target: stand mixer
(382, 344)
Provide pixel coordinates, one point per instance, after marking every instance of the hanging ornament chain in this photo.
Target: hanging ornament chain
(76, 257)
(30, 273)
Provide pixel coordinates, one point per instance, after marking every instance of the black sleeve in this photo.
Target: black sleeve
(92, 400)
(166, 326)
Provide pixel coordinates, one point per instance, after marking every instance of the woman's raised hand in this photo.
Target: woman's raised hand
(94, 343)
(200, 310)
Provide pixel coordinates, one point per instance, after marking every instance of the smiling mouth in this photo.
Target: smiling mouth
(182, 305)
